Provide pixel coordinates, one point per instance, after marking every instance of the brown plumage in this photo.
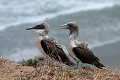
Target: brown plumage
(49, 46)
(54, 50)
(84, 46)
(87, 56)
(78, 51)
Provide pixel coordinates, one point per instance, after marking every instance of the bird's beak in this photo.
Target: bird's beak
(64, 26)
(35, 27)
(29, 28)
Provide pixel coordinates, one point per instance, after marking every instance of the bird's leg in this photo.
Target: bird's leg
(77, 64)
(81, 65)
(45, 60)
(84, 66)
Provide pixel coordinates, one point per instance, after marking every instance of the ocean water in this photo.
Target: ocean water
(99, 23)
(23, 11)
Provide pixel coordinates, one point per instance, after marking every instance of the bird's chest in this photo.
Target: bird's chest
(69, 48)
(71, 44)
(39, 46)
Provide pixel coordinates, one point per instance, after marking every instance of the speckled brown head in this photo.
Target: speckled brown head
(41, 26)
(72, 26)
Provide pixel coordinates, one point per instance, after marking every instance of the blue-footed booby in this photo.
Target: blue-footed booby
(49, 47)
(80, 52)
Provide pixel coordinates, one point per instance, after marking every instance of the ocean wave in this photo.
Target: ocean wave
(33, 14)
(100, 44)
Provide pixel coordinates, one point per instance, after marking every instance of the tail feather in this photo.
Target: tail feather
(99, 65)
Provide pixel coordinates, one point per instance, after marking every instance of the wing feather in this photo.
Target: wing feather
(55, 51)
(86, 56)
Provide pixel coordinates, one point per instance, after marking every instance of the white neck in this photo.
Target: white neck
(72, 40)
(45, 36)
(73, 36)
(42, 34)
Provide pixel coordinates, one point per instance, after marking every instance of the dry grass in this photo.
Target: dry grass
(12, 71)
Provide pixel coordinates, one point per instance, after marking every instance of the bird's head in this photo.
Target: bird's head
(72, 26)
(42, 28)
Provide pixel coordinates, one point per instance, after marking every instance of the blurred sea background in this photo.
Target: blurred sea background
(98, 21)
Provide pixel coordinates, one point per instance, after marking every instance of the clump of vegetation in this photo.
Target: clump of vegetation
(35, 62)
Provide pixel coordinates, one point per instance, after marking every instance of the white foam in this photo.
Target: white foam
(99, 44)
(73, 9)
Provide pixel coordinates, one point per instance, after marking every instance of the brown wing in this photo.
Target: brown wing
(87, 56)
(54, 50)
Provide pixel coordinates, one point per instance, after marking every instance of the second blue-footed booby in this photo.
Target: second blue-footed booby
(49, 47)
(78, 51)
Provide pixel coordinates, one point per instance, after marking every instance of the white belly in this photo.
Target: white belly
(38, 45)
(69, 49)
